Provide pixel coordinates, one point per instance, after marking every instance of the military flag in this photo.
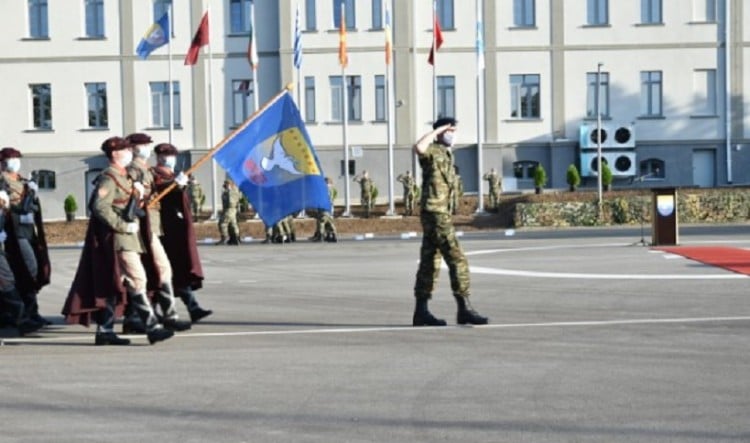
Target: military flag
(155, 37)
(437, 35)
(200, 39)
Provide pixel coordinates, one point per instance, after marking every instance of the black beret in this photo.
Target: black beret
(444, 121)
(165, 149)
(9, 153)
(115, 144)
(139, 138)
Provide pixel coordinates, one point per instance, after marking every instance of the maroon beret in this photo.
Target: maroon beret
(139, 138)
(115, 144)
(165, 149)
(9, 152)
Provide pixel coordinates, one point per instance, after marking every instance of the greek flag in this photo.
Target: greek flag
(297, 41)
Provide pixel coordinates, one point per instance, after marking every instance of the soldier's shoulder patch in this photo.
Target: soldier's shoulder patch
(102, 192)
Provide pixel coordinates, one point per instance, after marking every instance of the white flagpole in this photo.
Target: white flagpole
(480, 108)
(169, 64)
(388, 116)
(256, 85)
(214, 185)
(434, 63)
(347, 211)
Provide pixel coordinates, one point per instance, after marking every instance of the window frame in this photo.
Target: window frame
(521, 100)
(94, 27)
(446, 13)
(239, 24)
(710, 91)
(41, 106)
(38, 16)
(648, 93)
(310, 16)
(377, 14)
(647, 167)
(446, 96)
(309, 103)
(597, 12)
(353, 90)
(45, 178)
(603, 95)
(96, 103)
(526, 167)
(242, 90)
(521, 13)
(350, 11)
(652, 12)
(163, 94)
(380, 98)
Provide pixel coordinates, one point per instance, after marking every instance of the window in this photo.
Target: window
(239, 16)
(353, 97)
(160, 8)
(160, 104)
(44, 179)
(523, 13)
(704, 91)
(446, 96)
(597, 12)
(95, 18)
(445, 14)
(704, 10)
(652, 168)
(41, 100)
(524, 169)
(243, 100)
(38, 19)
(651, 93)
(310, 99)
(349, 11)
(524, 96)
(651, 11)
(377, 14)
(96, 95)
(591, 95)
(310, 18)
(380, 98)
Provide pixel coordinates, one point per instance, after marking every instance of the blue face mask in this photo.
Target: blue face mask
(170, 161)
(13, 164)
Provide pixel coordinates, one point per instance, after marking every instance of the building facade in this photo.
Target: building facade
(666, 76)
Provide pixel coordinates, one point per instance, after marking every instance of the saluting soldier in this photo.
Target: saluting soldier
(439, 236)
(230, 201)
(157, 265)
(493, 181)
(26, 245)
(179, 236)
(110, 270)
(365, 187)
(409, 183)
(195, 192)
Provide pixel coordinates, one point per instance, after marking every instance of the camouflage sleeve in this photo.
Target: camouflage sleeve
(103, 208)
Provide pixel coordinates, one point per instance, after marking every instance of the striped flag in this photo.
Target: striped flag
(437, 35)
(297, 41)
(343, 56)
(252, 49)
(388, 43)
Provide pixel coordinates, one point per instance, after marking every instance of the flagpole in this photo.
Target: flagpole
(256, 86)
(224, 141)
(214, 185)
(480, 107)
(345, 112)
(434, 63)
(388, 113)
(169, 64)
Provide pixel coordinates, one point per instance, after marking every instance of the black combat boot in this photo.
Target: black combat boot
(132, 323)
(467, 314)
(222, 241)
(110, 339)
(191, 303)
(158, 334)
(423, 316)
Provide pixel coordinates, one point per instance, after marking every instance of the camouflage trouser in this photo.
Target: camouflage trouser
(325, 224)
(409, 203)
(195, 207)
(493, 198)
(439, 241)
(228, 223)
(366, 201)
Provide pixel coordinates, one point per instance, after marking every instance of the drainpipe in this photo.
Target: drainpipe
(728, 88)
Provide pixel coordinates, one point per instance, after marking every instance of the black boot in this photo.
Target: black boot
(175, 324)
(158, 334)
(423, 316)
(110, 339)
(467, 314)
(191, 303)
(223, 241)
(131, 323)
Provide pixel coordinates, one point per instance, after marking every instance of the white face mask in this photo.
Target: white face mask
(448, 139)
(126, 158)
(144, 151)
(13, 165)
(170, 161)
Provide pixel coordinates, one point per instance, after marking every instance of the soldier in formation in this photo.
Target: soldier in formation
(410, 186)
(366, 190)
(196, 195)
(493, 182)
(228, 227)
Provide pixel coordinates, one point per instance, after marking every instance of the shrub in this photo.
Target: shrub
(606, 176)
(573, 177)
(70, 205)
(540, 177)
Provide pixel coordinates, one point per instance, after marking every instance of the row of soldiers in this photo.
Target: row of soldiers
(140, 251)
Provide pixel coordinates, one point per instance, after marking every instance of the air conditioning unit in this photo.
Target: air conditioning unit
(622, 136)
(588, 136)
(622, 164)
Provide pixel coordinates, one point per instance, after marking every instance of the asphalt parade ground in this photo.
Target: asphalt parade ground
(593, 338)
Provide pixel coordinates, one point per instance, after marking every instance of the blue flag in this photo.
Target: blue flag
(156, 36)
(273, 162)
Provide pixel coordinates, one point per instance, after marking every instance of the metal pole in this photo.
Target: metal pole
(598, 135)
(214, 186)
(388, 116)
(480, 109)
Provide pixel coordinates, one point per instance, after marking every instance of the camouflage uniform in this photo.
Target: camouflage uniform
(409, 186)
(195, 192)
(365, 185)
(493, 180)
(325, 229)
(458, 192)
(230, 200)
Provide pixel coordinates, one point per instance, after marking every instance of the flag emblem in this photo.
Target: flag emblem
(155, 37)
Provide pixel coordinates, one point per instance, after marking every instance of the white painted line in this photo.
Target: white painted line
(560, 324)
(579, 275)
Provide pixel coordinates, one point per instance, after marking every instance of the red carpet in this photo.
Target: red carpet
(733, 259)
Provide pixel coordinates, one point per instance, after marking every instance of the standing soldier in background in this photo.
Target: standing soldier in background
(409, 183)
(458, 191)
(493, 181)
(26, 244)
(195, 192)
(110, 268)
(157, 264)
(179, 234)
(439, 236)
(365, 196)
(230, 201)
